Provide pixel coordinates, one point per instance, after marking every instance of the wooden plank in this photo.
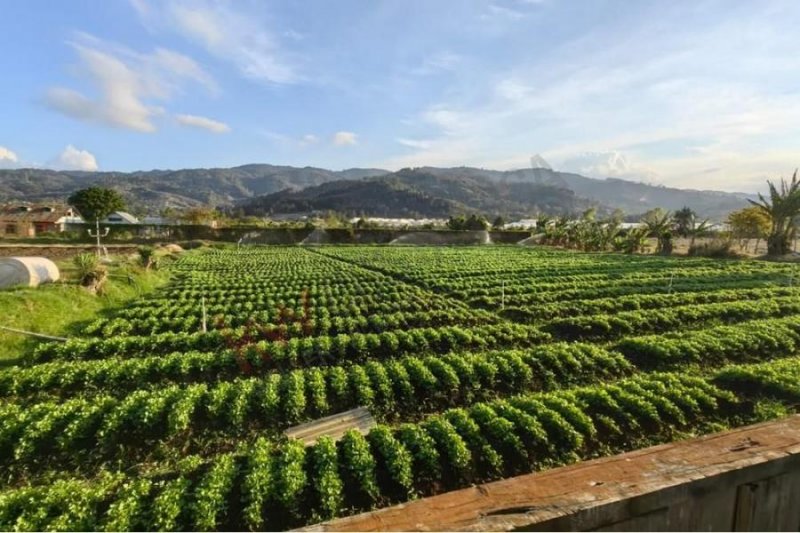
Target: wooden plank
(334, 426)
(662, 487)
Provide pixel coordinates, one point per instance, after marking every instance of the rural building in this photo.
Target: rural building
(120, 217)
(26, 220)
(525, 223)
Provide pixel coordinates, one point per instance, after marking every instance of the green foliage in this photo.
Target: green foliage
(782, 207)
(471, 223)
(290, 478)
(328, 487)
(147, 256)
(358, 467)
(212, 493)
(749, 223)
(96, 203)
(169, 504)
(451, 349)
(258, 486)
(87, 265)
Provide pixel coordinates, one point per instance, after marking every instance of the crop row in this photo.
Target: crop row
(778, 337)
(748, 341)
(277, 486)
(778, 379)
(391, 288)
(120, 376)
(476, 267)
(254, 300)
(392, 390)
(637, 302)
(592, 291)
(308, 351)
(289, 324)
(650, 279)
(601, 327)
(564, 277)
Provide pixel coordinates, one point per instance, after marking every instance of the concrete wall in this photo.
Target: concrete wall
(746, 479)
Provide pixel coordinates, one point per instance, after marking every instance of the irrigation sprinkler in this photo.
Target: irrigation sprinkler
(97, 235)
(503, 295)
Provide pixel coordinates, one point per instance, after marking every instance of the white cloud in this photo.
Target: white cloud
(126, 83)
(289, 141)
(440, 61)
(228, 33)
(7, 157)
(613, 164)
(345, 138)
(293, 35)
(449, 121)
(309, 138)
(415, 143)
(141, 7)
(205, 123)
(513, 90)
(73, 159)
(698, 98)
(496, 10)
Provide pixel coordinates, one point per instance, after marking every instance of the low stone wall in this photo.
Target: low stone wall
(60, 251)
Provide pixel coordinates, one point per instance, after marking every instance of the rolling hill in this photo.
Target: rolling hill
(424, 191)
(416, 193)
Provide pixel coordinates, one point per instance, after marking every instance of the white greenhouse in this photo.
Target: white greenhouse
(27, 271)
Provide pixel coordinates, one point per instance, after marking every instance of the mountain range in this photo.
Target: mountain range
(261, 189)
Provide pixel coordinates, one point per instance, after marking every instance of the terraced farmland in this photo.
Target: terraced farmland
(478, 363)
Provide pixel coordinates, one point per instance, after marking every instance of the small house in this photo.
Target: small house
(27, 220)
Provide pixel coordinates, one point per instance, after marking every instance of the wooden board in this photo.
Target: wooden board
(687, 485)
(334, 426)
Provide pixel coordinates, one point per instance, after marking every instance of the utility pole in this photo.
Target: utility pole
(97, 234)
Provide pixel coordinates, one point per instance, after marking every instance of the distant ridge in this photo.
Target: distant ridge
(431, 191)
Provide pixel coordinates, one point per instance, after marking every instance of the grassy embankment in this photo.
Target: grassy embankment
(61, 308)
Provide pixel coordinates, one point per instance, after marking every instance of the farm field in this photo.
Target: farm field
(478, 363)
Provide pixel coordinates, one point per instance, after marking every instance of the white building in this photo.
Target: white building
(120, 217)
(525, 223)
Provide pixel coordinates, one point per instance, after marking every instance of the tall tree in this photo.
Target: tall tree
(698, 230)
(684, 221)
(782, 207)
(199, 215)
(96, 203)
(659, 225)
(749, 223)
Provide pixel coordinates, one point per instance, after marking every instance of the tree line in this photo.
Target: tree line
(772, 218)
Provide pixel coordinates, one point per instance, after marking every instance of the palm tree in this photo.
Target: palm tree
(684, 221)
(782, 207)
(632, 241)
(659, 225)
(698, 231)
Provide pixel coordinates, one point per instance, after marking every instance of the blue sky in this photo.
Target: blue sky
(688, 93)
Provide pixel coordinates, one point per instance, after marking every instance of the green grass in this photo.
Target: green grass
(62, 308)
